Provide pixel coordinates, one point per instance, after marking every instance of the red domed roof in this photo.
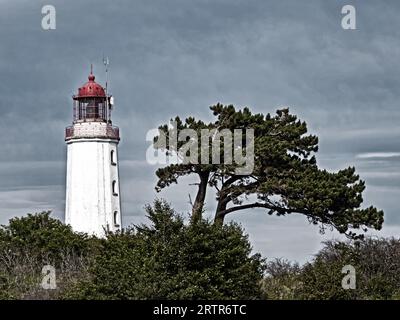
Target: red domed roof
(90, 89)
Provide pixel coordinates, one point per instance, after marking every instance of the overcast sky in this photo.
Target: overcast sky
(179, 57)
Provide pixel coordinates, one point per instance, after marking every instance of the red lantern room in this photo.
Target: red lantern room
(92, 103)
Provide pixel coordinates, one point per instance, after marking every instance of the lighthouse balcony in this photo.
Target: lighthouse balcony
(87, 130)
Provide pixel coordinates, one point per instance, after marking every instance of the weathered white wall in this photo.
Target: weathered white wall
(90, 203)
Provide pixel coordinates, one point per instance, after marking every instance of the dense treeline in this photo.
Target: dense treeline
(169, 258)
(377, 272)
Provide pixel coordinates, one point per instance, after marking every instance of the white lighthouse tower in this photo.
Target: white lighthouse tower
(92, 191)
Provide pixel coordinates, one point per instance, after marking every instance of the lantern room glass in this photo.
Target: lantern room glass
(90, 109)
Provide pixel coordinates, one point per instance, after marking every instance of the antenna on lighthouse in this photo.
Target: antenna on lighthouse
(106, 62)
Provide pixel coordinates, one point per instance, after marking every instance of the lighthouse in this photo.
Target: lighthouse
(92, 182)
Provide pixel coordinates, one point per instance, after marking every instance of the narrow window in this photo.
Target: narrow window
(114, 188)
(113, 158)
(116, 223)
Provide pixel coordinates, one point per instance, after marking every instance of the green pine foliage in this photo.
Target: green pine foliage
(286, 178)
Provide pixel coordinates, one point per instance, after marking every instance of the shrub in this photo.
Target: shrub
(376, 262)
(282, 281)
(29, 243)
(172, 260)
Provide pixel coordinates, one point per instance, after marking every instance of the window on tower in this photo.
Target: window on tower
(113, 158)
(114, 188)
(116, 220)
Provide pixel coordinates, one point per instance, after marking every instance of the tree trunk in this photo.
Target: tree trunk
(223, 199)
(221, 207)
(198, 205)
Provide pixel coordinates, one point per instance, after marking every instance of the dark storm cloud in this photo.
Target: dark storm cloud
(179, 57)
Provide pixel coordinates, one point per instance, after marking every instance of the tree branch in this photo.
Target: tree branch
(262, 205)
(246, 206)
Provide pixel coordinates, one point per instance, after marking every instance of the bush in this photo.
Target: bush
(172, 260)
(376, 262)
(29, 243)
(282, 281)
(169, 259)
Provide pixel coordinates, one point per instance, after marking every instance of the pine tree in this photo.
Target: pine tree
(285, 178)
